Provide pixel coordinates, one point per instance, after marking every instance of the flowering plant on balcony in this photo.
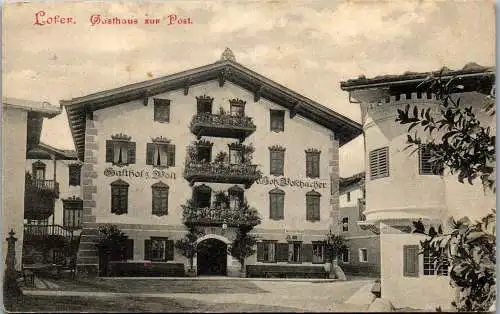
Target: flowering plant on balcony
(223, 118)
(243, 215)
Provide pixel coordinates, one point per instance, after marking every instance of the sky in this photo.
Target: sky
(307, 46)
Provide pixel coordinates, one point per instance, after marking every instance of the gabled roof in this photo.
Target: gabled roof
(43, 150)
(42, 107)
(469, 71)
(224, 70)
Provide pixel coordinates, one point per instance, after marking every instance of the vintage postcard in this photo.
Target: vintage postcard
(248, 156)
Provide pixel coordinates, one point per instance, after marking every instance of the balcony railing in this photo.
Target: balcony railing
(46, 232)
(222, 125)
(222, 173)
(232, 217)
(47, 187)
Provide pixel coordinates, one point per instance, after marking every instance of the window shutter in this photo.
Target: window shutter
(109, 150)
(169, 250)
(150, 150)
(315, 166)
(307, 252)
(410, 260)
(129, 249)
(171, 155)
(131, 153)
(147, 250)
(309, 167)
(166, 117)
(282, 252)
(260, 251)
(281, 156)
(281, 207)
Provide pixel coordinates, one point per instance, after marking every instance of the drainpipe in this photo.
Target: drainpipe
(54, 178)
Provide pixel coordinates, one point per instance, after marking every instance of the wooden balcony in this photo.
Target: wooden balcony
(39, 198)
(221, 173)
(212, 216)
(222, 125)
(47, 233)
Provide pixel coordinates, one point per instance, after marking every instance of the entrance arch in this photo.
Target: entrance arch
(211, 256)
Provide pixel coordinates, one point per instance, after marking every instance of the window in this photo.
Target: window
(345, 224)
(236, 197)
(73, 212)
(277, 158)
(348, 195)
(120, 150)
(313, 206)
(119, 197)
(235, 156)
(38, 169)
(294, 252)
(363, 255)
(160, 198)
(74, 174)
(237, 109)
(202, 196)
(204, 153)
(312, 164)
(410, 260)
(277, 120)
(346, 256)
(266, 251)
(204, 104)
(276, 204)
(159, 249)
(379, 163)
(425, 167)
(432, 265)
(318, 255)
(161, 110)
(160, 154)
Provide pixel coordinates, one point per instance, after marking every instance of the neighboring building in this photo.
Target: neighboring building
(363, 254)
(402, 187)
(208, 139)
(22, 125)
(53, 210)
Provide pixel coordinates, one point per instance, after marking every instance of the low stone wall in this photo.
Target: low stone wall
(146, 269)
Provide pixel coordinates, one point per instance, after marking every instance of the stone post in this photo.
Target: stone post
(10, 278)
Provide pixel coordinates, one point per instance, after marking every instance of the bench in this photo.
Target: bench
(286, 271)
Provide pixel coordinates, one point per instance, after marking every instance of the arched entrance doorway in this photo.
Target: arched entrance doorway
(211, 257)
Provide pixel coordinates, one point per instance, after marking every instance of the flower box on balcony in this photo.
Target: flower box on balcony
(222, 173)
(222, 125)
(233, 217)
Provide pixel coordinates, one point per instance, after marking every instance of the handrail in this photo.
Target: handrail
(224, 120)
(43, 231)
(223, 169)
(213, 215)
(43, 185)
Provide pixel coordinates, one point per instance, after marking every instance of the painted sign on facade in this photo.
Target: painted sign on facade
(139, 173)
(298, 183)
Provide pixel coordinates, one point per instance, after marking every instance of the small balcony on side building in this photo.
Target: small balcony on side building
(39, 197)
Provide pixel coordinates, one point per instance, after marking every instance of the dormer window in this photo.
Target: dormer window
(120, 150)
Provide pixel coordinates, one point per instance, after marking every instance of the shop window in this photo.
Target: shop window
(294, 249)
(318, 250)
(159, 249)
(266, 251)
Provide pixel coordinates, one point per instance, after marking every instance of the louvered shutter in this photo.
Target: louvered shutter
(169, 250)
(260, 251)
(281, 207)
(309, 166)
(307, 253)
(410, 260)
(131, 152)
(315, 166)
(171, 155)
(379, 163)
(147, 250)
(109, 150)
(282, 252)
(150, 150)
